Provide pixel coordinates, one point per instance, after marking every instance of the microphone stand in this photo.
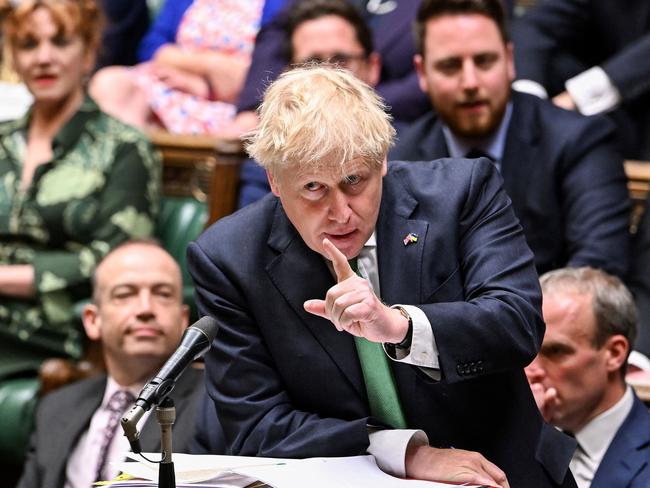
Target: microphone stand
(166, 415)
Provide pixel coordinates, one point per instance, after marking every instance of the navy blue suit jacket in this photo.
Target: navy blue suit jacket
(565, 179)
(558, 39)
(287, 384)
(627, 461)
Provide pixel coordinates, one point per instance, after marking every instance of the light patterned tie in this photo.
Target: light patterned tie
(118, 403)
(378, 377)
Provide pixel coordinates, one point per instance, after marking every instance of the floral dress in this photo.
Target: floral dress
(228, 26)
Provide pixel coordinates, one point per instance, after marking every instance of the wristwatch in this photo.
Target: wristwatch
(406, 342)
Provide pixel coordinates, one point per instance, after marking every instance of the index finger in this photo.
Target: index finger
(341, 266)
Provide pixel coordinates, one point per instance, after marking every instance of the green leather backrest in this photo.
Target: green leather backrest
(18, 398)
(180, 221)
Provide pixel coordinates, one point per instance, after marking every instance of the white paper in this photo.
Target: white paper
(203, 471)
(346, 472)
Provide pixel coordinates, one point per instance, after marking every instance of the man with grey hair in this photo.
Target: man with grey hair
(578, 378)
(413, 350)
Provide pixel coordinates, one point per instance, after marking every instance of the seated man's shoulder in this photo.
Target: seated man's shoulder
(410, 143)
(563, 125)
(68, 396)
(441, 170)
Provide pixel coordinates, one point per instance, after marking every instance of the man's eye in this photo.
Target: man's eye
(313, 186)
(448, 66)
(122, 296)
(352, 179)
(485, 61)
(555, 352)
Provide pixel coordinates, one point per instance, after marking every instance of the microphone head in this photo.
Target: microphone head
(208, 326)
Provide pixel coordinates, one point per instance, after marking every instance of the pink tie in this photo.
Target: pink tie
(118, 403)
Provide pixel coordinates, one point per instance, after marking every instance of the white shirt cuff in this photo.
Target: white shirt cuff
(531, 87)
(389, 448)
(593, 91)
(423, 352)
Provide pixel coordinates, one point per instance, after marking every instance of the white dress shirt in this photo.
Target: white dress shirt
(82, 464)
(595, 437)
(592, 91)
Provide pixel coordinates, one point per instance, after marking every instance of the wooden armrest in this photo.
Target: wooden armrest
(638, 184)
(204, 167)
(57, 372)
(638, 178)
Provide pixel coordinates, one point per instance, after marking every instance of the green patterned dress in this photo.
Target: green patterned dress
(101, 188)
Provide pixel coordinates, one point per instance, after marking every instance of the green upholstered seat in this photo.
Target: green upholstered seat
(18, 397)
(180, 221)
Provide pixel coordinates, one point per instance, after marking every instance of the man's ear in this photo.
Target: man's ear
(374, 69)
(273, 183)
(418, 62)
(617, 349)
(186, 316)
(92, 322)
(510, 61)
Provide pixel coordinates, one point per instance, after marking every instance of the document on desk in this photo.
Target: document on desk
(207, 471)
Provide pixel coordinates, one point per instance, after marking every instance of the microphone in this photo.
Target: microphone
(196, 341)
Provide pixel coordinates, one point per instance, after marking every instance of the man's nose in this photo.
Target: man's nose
(340, 210)
(145, 303)
(535, 371)
(469, 76)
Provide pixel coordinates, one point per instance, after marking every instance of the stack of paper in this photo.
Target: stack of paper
(203, 471)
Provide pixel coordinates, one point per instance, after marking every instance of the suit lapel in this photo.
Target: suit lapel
(520, 151)
(70, 427)
(628, 452)
(301, 274)
(400, 265)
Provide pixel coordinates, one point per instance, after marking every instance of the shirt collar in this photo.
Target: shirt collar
(69, 134)
(493, 145)
(372, 240)
(595, 437)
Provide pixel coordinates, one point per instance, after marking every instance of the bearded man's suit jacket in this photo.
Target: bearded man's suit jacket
(564, 176)
(287, 384)
(64, 415)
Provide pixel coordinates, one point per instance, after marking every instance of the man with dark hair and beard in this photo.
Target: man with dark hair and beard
(561, 170)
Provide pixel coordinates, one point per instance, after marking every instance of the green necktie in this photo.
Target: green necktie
(380, 384)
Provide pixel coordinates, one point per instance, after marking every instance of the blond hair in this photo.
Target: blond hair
(316, 115)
